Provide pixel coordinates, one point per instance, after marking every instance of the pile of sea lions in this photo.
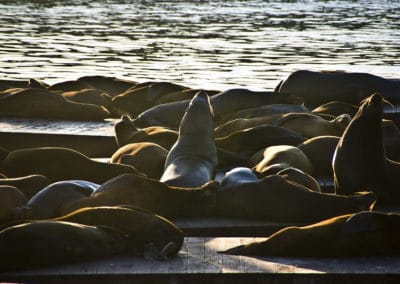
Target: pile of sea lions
(188, 153)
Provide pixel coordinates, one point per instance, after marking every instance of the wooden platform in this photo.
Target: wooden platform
(198, 261)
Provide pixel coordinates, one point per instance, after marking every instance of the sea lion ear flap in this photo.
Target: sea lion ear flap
(343, 119)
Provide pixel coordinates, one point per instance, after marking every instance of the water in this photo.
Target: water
(209, 44)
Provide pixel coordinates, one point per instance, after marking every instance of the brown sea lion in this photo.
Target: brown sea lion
(224, 103)
(183, 95)
(147, 234)
(306, 124)
(40, 103)
(336, 108)
(69, 86)
(275, 199)
(317, 88)
(89, 96)
(126, 132)
(48, 243)
(29, 185)
(353, 235)
(297, 176)
(146, 157)
(51, 200)
(10, 199)
(248, 141)
(135, 101)
(359, 160)
(60, 164)
(152, 195)
(192, 160)
(9, 84)
(285, 155)
(110, 85)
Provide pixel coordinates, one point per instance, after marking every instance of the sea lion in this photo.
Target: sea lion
(248, 141)
(29, 185)
(10, 199)
(306, 124)
(192, 160)
(183, 95)
(41, 103)
(110, 85)
(126, 132)
(239, 175)
(69, 86)
(295, 175)
(9, 84)
(135, 101)
(146, 157)
(353, 235)
(170, 114)
(336, 108)
(319, 151)
(60, 164)
(285, 155)
(317, 88)
(48, 243)
(273, 198)
(152, 195)
(90, 96)
(359, 160)
(50, 201)
(147, 234)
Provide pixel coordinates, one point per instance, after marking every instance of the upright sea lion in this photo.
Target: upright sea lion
(126, 132)
(48, 243)
(146, 232)
(359, 160)
(152, 195)
(60, 164)
(317, 88)
(51, 200)
(192, 160)
(275, 199)
(146, 157)
(353, 235)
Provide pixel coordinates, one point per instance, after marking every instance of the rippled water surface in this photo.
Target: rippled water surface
(210, 44)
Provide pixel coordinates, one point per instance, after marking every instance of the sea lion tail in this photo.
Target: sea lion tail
(239, 250)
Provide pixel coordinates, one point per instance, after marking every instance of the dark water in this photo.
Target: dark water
(212, 44)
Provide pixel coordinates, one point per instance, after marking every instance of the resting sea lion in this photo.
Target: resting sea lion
(90, 96)
(10, 199)
(294, 175)
(147, 234)
(192, 160)
(29, 185)
(126, 132)
(60, 164)
(47, 243)
(317, 88)
(146, 157)
(152, 195)
(183, 95)
(353, 235)
(110, 85)
(336, 108)
(275, 199)
(239, 175)
(359, 160)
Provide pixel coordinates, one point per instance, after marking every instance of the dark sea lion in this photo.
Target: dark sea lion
(145, 231)
(40, 103)
(29, 185)
(135, 101)
(60, 164)
(275, 199)
(110, 85)
(239, 175)
(249, 141)
(317, 88)
(126, 132)
(183, 95)
(192, 160)
(34, 83)
(359, 160)
(89, 96)
(146, 157)
(319, 151)
(295, 175)
(10, 199)
(48, 243)
(336, 108)
(9, 83)
(285, 155)
(354, 235)
(268, 110)
(391, 139)
(68, 86)
(152, 195)
(224, 103)
(51, 200)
